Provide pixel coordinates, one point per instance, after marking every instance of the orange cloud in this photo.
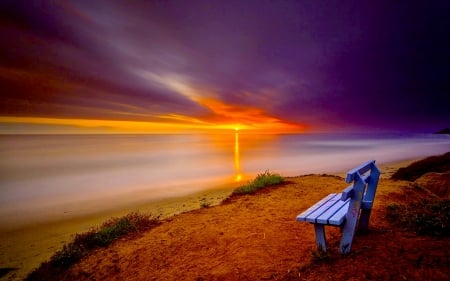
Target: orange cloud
(223, 115)
(250, 118)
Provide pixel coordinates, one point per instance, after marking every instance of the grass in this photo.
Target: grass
(261, 181)
(426, 217)
(414, 171)
(84, 243)
(204, 203)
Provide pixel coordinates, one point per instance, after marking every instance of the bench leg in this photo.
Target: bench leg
(348, 231)
(364, 219)
(320, 237)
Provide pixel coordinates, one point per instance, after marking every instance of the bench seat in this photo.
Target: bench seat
(330, 210)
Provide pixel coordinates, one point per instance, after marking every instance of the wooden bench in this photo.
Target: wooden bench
(347, 208)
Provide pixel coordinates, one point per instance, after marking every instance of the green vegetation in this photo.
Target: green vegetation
(204, 203)
(84, 243)
(426, 217)
(261, 181)
(414, 171)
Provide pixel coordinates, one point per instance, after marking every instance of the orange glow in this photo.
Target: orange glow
(249, 118)
(223, 117)
(115, 126)
(237, 161)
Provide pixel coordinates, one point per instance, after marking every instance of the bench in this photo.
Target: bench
(347, 208)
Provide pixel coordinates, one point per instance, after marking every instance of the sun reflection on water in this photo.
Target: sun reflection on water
(237, 161)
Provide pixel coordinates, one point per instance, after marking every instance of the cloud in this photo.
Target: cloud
(292, 61)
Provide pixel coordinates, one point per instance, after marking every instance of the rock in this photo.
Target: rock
(438, 183)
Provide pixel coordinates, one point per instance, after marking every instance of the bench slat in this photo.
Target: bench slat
(339, 217)
(302, 216)
(312, 217)
(340, 205)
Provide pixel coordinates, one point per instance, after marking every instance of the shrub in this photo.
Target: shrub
(204, 203)
(261, 181)
(84, 243)
(426, 217)
(438, 164)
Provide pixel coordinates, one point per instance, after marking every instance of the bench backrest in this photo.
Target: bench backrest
(361, 193)
(365, 180)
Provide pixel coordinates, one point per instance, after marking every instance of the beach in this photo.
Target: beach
(24, 248)
(256, 237)
(56, 186)
(52, 177)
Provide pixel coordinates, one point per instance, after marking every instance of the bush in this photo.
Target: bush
(204, 203)
(438, 164)
(426, 217)
(261, 181)
(84, 243)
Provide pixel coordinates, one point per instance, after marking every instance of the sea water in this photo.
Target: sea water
(64, 173)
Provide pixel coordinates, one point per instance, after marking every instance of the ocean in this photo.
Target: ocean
(54, 174)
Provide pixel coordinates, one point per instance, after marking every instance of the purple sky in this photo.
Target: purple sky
(328, 65)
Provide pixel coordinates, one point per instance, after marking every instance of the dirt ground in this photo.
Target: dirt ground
(256, 237)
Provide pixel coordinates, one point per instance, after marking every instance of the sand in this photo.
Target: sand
(256, 237)
(24, 248)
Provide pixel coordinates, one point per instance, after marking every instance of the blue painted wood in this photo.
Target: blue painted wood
(352, 216)
(369, 197)
(361, 169)
(339, 217)
(312, 217)
(321, 241)
(349, 209)
(338, 205)
(304, 215)
(365, 205)
(347, 193)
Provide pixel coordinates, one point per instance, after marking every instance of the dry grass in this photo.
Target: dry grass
(83, 244)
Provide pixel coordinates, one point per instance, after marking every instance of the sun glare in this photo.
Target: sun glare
(237, 160)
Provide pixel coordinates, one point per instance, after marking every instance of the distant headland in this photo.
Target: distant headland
(445, 131)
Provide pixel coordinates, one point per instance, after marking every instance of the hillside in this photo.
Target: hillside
(256, 237)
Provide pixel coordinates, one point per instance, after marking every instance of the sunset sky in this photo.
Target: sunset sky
(196, 66)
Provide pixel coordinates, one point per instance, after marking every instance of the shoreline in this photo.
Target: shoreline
(163, 207)
(26, 247)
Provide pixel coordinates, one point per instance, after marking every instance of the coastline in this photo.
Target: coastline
(25, 248)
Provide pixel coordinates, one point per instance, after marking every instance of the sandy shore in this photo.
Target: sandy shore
(24, 248)
(256, 237)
